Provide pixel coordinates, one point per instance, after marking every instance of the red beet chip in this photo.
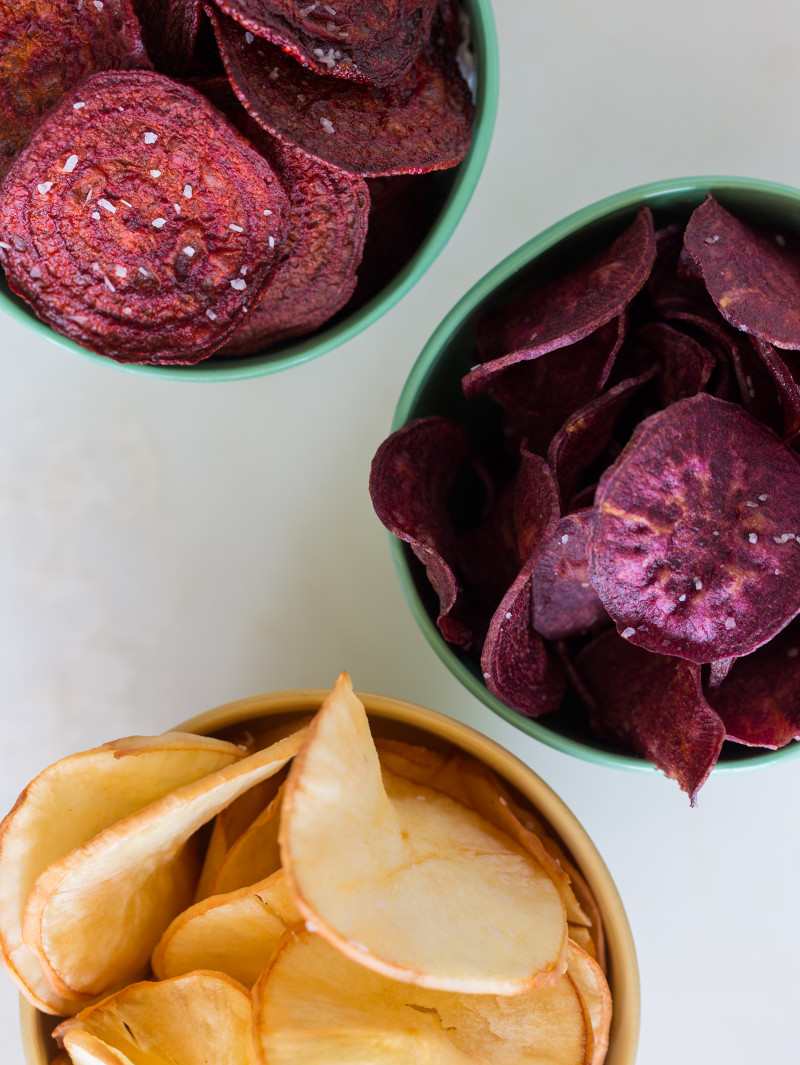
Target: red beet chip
(139, 223)
(169, 29)
(759, 700)
(654, 704)
(586, 433)
(686, 366)
(692, 547)
(517, 666)
(47, 48)
(564, 601)
(752, 276)
(353, 39)
(421, 123)
(412, 474)
(566, 310)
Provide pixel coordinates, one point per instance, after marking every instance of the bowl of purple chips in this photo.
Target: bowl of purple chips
(593, 481)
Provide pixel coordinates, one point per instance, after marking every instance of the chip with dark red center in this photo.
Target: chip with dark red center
(568, 309)
(784, 370)
(655, 704)
(752, 274)
(421, 123)
(759, 700)
(564, 601)
(353, 39)
(693, 548)
(138, 224)
(84, 37)
(169, 29)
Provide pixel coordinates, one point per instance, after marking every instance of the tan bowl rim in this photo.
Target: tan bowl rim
(624, 975)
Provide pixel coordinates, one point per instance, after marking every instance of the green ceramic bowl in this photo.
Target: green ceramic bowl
(451, 191)
(434, 387)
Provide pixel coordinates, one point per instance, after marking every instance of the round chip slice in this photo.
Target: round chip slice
(85, 38)
(138, 223)
(693, 548)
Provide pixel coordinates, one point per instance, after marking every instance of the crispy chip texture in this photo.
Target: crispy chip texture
(564, 601)
(169, 29)
(128, 234)
(687, 551)
(418, 124)
(84, 38)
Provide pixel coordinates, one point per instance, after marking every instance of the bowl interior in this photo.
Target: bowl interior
(392, 718)
(450, 192)
(434, 387)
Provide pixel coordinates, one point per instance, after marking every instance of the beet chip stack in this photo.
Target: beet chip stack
(160, 221)
(656, 389)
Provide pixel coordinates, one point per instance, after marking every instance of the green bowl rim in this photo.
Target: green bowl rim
(416, 380)
(485, 45)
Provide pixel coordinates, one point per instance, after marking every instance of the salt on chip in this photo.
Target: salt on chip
(91, 238)
(693, 549)
(564, 601)
(654, 703)
(359, 844)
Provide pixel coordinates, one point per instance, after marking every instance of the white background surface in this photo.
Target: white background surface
(166, 547)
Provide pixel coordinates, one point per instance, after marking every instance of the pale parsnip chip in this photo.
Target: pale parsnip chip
(67, 805)
(95, 915)
(87, 1049)
(254, 856)
(411, 883)
(313, 1005)
(235, 933)
(196, 1019)
(594, 990)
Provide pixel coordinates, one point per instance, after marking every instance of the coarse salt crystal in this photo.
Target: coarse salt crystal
(107, 206)
(764, 497)
(187, 191)
(155, 173)
(3, 244)
(627, 633)
(698, 584)
(98, 4)
(327, 125)
(242, 270)
(143, 272)
(159, 223)
(753, 538)
(35, 271)
(565, 538)
(272, 242)
(211, 315)
(78, 105)
(249, 37)
(121, 271)
(81, 319)
(127, 310)
(70, 164)
(95, 214)
(585, 584)
(238, 283)
(177, 207)
(235, 228)
(267, 212)
(311, 927)
(730, 623)
(188, 250)
(749, 503)
(150, 138)
(508, 615)
(125, 202)
(682, 598)
(45, 187)
(108, 284)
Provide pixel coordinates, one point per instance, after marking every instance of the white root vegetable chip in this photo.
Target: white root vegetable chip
(95, 915)
(406, 880)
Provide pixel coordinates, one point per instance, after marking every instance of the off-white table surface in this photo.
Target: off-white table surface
(166, 547)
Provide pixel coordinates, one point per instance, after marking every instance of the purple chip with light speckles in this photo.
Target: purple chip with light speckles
(693, 547)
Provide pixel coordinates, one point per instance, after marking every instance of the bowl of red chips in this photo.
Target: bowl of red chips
(593, 481)
(225, 189)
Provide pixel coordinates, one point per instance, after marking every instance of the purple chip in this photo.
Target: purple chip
(693, 547)
(686, 366)
(654, 704)
(564, 601)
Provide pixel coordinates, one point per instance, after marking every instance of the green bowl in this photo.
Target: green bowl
(434, 387)
(452, 192)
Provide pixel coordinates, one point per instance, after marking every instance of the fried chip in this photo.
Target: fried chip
(655, 704)
(421, 123)
(85, 38)
(593, 989)
(686, 366)
(564, 601)
(689, 551)
(254, 856)
(129, 236)
(169, 29)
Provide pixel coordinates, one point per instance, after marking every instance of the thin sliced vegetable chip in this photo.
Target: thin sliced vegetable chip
(139, 223)
(688, 548)
(655, 704)
(419, 124)
(412, 474)
(752, 275)
(570, 308)
(169, 29)
(355, 39)
(85, 37)
(564, 601)
(759, 700)
(686, 366)
(593, 989)
(784, 370)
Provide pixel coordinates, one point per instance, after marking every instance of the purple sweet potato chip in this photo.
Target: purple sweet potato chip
(353, 39)
(169, 29)
(784, 370)
(564, 601)
(718, 671)
(419, 124)
(654, 704)
(686, 366)
(517, 665)
(411, 477)
(138, 222)
(692, 547)
(586, 433)
(668, 285)
(751, 274)
(47, 48)
(759, 700)
(564, 311)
